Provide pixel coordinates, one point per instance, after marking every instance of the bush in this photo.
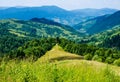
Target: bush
(97, 58)
(109, 60)
(116, 55)
(88, 57)
(117, 62)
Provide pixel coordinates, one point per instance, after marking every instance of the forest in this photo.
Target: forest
(38, 47)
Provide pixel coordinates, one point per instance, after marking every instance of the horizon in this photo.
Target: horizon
(68, 5)
(55, 6)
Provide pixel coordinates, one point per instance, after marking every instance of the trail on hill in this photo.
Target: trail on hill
(58, 54)
(60, 57)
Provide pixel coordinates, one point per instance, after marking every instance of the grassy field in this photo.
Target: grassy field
(58, 54)
(58, 66)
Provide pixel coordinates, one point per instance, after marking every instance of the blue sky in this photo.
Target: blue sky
(66, 4)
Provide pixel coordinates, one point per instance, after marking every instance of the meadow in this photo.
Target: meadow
(76, 70)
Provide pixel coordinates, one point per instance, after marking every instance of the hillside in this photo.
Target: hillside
(100, 24)
(58, 54)
(65, 70)
(21, 31)
(52, 12)
(37, 48)
(111, 38)
(62, 58)
(60, 41)
(85, 26)
(108, 38)
(33, 29)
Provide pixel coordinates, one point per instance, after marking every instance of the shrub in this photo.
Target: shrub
(109, 60)
(117, 62)
(88, 57)
(97, 58)
(116, 55)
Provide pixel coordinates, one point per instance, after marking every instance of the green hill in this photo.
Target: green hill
(66, 70)
(85, 26)
(33, 29)
(37, 48)
(20, 31)
(100, 24)
(108, 38)
(58, 54)
(112, 38)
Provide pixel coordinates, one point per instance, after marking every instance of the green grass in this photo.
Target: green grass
(58, 54)
(63, 71)
(67, 70)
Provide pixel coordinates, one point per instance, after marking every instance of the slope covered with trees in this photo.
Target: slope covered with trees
(33, 29)
(9, 41)
(37, 48)
(109, 38)
(14, 33)
(92, 52)
(34, 48)
(100, 24)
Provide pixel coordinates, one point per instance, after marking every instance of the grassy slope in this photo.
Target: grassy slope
(66, 70)
(57, 54)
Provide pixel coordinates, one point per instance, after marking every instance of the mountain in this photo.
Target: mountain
(95, 12)
(112, 39)
(38, 27)
(108, 39)
(45, 21)
(50, 12)
(30, 12)
(14, 32)
(2, 8)
(25, 13)
(99, 24)
(84, 26)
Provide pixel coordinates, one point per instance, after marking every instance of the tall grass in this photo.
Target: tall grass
(24, 71)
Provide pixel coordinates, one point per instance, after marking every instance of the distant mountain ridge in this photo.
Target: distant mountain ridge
(45, 21)
(50, 12)
(100, 24)
(95, 12)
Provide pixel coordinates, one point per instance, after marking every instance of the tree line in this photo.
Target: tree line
(38, 47)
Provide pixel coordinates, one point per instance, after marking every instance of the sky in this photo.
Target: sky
(66, 4)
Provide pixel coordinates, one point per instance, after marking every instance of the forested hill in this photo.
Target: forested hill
(106, 23)
(113, 39)
(86, 25)
(37, 48)
(50, 22)
(100, 24)
(37, 29)
(14, 32)
(109, 38)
